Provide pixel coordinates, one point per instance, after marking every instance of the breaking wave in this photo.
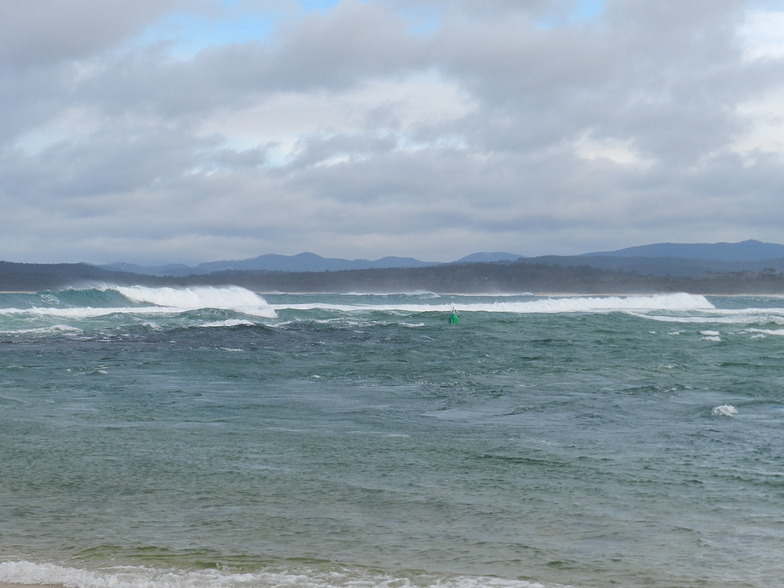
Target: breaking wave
(550, 305)
(24, 572)
(226, 298)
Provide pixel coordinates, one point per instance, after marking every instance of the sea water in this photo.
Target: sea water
(214, 437)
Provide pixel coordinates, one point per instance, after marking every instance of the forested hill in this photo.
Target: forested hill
(20, 277)
(744, 251)
(682, 267)
(498, 277)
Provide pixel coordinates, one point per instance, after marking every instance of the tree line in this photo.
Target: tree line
(488, 278)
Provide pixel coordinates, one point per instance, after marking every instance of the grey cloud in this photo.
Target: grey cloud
(666, 79)
(47, 47)
(503, 174)
(37, 32)
(329, 53)
(111, 161)
(359, 41)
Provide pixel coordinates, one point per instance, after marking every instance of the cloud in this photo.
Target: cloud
(38, 32)
(190, 130)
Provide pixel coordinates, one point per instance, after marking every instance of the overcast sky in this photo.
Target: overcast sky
(157, 131)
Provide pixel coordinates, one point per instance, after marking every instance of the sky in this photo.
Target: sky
(182, 131)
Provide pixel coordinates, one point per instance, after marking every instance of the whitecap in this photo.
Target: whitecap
(23, 572)
(763, 332)
(724, 410)
(710, 335)
(549, 305)
(227, 298)
(228, 323)
(53, 329)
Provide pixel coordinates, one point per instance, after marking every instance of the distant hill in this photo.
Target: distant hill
(660, 259)
(488, 257)
(612, 272)
(302, 262)
(307, 262)
(51, 276)
(663, 266)
(744, 251)
(154, 270)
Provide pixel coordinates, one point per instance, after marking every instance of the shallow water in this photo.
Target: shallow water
(214, 437)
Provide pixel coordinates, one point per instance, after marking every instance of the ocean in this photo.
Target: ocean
(215, 437)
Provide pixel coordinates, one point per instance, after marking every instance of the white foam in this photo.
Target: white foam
(763, 332)
(82, 312)
(160, 301)
(725, 316)
(710, 335)
(665, 302)
(416, 293)
(23, 572)
(228, 323)
(227, 298)
(724, 410)
(565, 304)
(53, 329)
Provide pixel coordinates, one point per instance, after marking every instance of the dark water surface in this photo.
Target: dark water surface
(155, 437)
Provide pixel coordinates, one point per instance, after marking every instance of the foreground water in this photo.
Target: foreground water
(157, 438)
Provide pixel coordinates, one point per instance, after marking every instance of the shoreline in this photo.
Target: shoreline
(19, 585)
(495, 293)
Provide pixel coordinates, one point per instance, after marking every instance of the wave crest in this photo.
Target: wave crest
(724, 410)
(225, 297)
(24, 572)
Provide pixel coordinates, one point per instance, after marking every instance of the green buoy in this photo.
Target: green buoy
(454, 318)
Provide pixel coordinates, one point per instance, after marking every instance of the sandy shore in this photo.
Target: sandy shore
(7, 585)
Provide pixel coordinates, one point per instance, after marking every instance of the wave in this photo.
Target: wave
(221, 307)
(727, 316)
(580, 304)
(724, 410)
(764, 332)
(196, 298)
(112, 299)
(289, 574)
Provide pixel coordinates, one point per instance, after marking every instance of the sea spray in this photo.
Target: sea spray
(528, 305)
(227, 297)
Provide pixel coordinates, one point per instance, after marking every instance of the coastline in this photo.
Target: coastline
(561, 294)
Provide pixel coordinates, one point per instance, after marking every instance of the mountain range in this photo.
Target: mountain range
(302, 262)
(750, 250)
(676, 259)
(749, 267)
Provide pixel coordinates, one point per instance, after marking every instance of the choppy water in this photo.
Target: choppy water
(157, 438)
